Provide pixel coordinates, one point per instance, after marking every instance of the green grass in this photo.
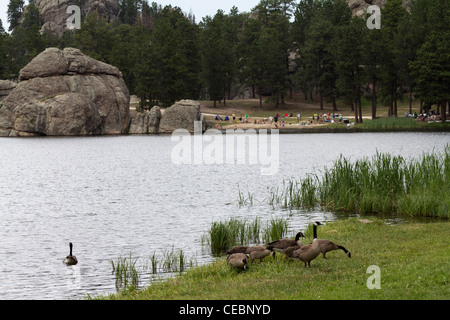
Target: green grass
(413, 258)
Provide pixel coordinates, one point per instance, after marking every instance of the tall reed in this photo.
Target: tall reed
(125, 272)
(223, 235)
(276, 228)
(383, 184)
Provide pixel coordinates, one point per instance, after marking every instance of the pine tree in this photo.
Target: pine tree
(15, 10)
(349, 53)
(95, 37)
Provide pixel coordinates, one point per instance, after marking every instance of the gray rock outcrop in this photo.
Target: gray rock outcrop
(54, 12)
(359, 7)
(66, 93)
(181, 115)
(146, 122)
(6, 86)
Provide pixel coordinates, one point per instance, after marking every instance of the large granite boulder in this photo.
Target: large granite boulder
(64, 92)
(146, 122)
(6, 86)
(181, 115)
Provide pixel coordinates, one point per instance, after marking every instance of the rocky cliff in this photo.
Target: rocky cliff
(359, 7)
(66, 93)
(54, 12)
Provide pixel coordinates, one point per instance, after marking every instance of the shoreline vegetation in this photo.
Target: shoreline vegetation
(383, 184)
(413, 257)
(413, 262)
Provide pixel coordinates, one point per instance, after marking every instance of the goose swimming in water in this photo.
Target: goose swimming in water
(70, 260)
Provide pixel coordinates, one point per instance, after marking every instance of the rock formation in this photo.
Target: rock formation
(6, 86)
(146, 122)
(359, 7)
(54, 12)
(181, 115)
(66, 93)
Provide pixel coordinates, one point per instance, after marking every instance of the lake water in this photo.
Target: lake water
(112, 196)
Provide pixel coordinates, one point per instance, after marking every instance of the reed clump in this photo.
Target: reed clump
(383, 184)
(128, 273)
(125, 272)
(223, 235)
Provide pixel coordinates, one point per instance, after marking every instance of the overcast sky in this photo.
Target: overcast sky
(200, 8)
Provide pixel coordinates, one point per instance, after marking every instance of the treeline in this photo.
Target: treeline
(280, 48)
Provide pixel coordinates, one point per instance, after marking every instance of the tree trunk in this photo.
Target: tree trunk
(356, 111)
(334, 104)
(321, 101)
(391, 107)
(374, 99)
(410, 100)
(215, 105)
(443, 111)
(253, 91)
(260, 98)
(360, 110)
(395, 99)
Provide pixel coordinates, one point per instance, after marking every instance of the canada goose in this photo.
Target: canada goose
(237, 249)
(70, 260)
(258, 252)
(308, 252)
(282, 244)
(328, 245)
(238, 261)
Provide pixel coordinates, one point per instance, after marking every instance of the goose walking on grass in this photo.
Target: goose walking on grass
(254, 252)
(282, 244)
(306, 253)
(238, 261)
(237, 249)
(70, 260)
(328, 245)
(258, 253)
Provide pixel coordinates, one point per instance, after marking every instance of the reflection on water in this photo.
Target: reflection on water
(113, 196)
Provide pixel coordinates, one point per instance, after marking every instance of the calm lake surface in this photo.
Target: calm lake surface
(112, 196)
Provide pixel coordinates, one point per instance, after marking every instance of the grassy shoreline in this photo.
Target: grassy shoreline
(413, 259)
